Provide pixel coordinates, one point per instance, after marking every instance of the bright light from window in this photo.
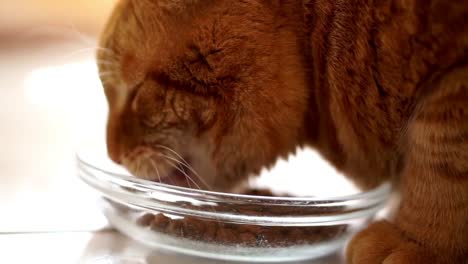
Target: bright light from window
(75, 89)
(70, 83)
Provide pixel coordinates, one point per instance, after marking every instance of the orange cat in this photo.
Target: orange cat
(227, 87)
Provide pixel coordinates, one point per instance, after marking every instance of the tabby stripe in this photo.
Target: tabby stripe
(431, 154)
(453, 113)
(458, 170)
(414, 204)
(440, 134)
(456, 138)
(457, 95)
(456, 167)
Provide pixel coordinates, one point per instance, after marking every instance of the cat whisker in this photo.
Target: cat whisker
(106, 74)
(81, 36)
(171, 150)
(170, 162)
(102, 62)
(108, 52)
(71, 30)
(187, 177)
(186, 165)
(153, 163)
(184, 162)
(84, 50)
(110, 61)
(105, 50)
(110, 67)
(137, 167)
(177, 166)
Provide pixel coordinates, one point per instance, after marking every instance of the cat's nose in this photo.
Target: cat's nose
(114, 149)
(114, 154)
(122, 131)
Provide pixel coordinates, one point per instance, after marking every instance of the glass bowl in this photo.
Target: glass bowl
(225, 226)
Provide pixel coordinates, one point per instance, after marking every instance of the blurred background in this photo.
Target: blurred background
(51, 99)
(87, 16)
(50, 94)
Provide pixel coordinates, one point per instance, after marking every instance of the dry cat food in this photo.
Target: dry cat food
(238, 234)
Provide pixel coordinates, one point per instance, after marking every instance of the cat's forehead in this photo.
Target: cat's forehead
(147, 31)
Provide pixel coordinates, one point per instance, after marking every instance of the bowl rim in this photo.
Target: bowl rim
(149, 196)
(147, 185)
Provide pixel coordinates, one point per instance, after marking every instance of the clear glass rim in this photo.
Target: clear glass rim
(149, 186)
(147, 195)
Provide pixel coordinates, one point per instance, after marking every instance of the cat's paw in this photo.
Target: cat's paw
(383, 243)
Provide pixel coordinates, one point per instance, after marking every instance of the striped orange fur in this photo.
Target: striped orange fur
(380, 88)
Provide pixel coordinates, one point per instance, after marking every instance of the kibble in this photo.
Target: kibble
(240, 234)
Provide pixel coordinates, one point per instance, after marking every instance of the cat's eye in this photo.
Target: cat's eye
(190, 84)
(148, 104)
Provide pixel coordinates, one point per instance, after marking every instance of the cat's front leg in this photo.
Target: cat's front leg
(431, 225)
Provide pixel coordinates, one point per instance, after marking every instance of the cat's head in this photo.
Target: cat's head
(215, 85)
